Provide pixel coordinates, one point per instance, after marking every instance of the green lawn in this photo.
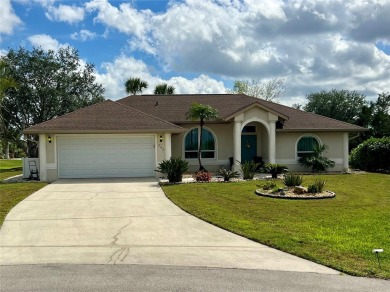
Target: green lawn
(13, 193)
(10, 168)
(339, 233)
(10, 164)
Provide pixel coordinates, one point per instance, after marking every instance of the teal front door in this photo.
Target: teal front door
(248, 147)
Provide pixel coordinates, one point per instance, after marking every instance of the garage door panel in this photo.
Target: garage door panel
(109, 156)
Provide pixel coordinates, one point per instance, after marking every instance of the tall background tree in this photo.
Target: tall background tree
(353, 107)
(164, 89)
(202, 113)
(50, 84)
(269, 90)
(6, 82)
(135, 85)
(343, 105)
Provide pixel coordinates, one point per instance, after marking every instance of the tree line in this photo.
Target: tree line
(38, 85)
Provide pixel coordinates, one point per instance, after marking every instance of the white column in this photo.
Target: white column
(345, 152)
(272, 142)
(168, 145)
(42, 157)
(237, 145)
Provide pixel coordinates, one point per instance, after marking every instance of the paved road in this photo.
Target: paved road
(126, 221)
(172, 278)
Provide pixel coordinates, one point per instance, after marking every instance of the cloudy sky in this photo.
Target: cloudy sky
(202, 46)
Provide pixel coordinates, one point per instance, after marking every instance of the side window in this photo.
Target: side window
(192, 141)
(306, 145)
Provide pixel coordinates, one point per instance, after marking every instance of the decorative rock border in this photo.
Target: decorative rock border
(292, 196)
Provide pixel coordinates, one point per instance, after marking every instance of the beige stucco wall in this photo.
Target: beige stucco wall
(224, 146)
(286, 147)
(256, 113)
(50, 149)
(160, 148)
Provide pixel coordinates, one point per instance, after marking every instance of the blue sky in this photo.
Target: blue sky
(203, 46)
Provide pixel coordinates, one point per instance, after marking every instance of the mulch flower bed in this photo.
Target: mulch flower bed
(290, 194)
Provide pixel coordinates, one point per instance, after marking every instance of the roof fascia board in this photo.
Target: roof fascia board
(46, 131)
(321, 130)
(256, 104)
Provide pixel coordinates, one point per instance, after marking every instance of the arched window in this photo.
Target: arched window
(306, 145)
(192, 142)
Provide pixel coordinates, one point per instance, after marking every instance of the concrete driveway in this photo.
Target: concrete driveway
(126, 221)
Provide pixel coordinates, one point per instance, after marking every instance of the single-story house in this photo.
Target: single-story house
(130, 136)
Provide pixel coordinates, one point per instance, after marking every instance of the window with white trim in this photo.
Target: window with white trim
(306, 146)
(192, 141)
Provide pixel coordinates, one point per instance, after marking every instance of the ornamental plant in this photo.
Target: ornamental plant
(174, 168)
(248, 169)
(316, 160)
(292, 180)
(317, 187)
(274, 169)
(227, 174)
(202, 176)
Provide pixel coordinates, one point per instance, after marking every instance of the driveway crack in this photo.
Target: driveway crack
(121, 253)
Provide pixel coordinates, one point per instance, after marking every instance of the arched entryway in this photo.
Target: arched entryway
(254, 142)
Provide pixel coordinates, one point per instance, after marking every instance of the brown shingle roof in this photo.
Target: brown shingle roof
(106, 116)
(173, 108)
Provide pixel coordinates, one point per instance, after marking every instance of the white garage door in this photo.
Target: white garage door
(105, 156)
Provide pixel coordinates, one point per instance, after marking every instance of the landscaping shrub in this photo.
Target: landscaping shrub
(316, 160)
(173, 168)
(275, 169)
(317, 187)
(269, 185)
(202, 176)
(228, 174)
(372, 155)
(292, 180)
(248, 169)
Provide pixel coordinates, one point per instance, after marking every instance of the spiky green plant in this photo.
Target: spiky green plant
(174, 168)
(316, 160)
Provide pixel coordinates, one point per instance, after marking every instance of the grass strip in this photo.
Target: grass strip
(339, 232)
(12, 193)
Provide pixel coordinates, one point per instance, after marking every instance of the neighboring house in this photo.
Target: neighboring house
(129, 137)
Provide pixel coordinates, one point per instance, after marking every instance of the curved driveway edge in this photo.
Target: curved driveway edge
(126, 221)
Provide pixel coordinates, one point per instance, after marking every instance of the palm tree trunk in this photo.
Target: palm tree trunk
(200, 146)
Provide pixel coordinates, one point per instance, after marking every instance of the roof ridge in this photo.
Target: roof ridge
(146, 114)
(318, 115)
(67, 114)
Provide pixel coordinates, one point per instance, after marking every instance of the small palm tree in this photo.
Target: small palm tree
(202, 113)
(164, 89)
(316, 160)
(135, 85)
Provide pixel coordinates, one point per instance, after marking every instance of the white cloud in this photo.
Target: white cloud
(83, 35)
(3, 52)
(46, 42)
(202, 84)
(65, 13)
(125, 19)
(312, 44)
(117, 72)
(9, 20)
